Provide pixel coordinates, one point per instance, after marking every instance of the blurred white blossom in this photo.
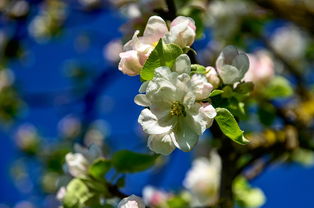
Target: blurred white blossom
(154, 197)
(261, 67)
(289, 42)
(112, 50)
(203, 180)
(77, 163)
(131, 202)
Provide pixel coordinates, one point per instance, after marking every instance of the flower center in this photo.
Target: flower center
(177, 109)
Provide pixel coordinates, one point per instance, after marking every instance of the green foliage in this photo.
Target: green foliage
(177, 202)
(77, 194)
(278, 87)
(215, 93)
(162, 55)
(126, 161)
(229, 126)
(198, 69)
(266, 113)
(246, 196)
(99, 168)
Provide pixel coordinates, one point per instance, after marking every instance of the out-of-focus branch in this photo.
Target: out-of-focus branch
(295, 11)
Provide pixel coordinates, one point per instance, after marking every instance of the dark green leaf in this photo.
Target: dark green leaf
(266, 113)
(127, 162)
(229, 126)
(244, 87)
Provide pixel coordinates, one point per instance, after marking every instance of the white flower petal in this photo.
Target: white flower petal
(156, 27)
(142, 100)
(229, 74)
(184, 136)
(242, 63)
(143, 87)
(161, 144)
(130, 44)
(151, 124)
(182, 64)
(131, 202)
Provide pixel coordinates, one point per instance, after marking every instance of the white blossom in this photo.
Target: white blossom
(261, 67)
(131, 202)
(182, 31)
(289, 42)
(174, 118)
(201, 86)
(203, 180)
(61, 193)
(137, 50)
(212, 76)
(77, 164)
(154, 197)
(232, 65)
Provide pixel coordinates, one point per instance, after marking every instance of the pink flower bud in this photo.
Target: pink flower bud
(212, 76)
(130, 63)
(182, 31)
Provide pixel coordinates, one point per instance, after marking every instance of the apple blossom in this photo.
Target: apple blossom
(137, 50)
(131, 202)
(261, 68)
(154, 197)
(77, 164)
(212, 76)
(289, 42)
(174, 118)
(232, 65)
(182, 31)
(203, 180)
(61, 193)
(201, 86)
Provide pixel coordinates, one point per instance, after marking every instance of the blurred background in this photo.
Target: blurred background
(59, 85)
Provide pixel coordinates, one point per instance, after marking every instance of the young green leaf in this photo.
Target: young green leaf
(229, 126)
(77, 194)
(198, 69)
(99, 168)
(162, 55)
(215, 93)
(128, 162)
(278, 87)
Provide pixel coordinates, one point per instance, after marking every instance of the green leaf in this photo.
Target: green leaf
(229, 126)
(162, 55)
(227, 92)
(215, 93)
(99, 168)
(129, 162)
(77, 194)
(278, 87)
(266, 113)
(244, 87)
(198, 69)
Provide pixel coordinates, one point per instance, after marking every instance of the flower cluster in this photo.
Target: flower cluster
(177, 102)
(138, 49)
